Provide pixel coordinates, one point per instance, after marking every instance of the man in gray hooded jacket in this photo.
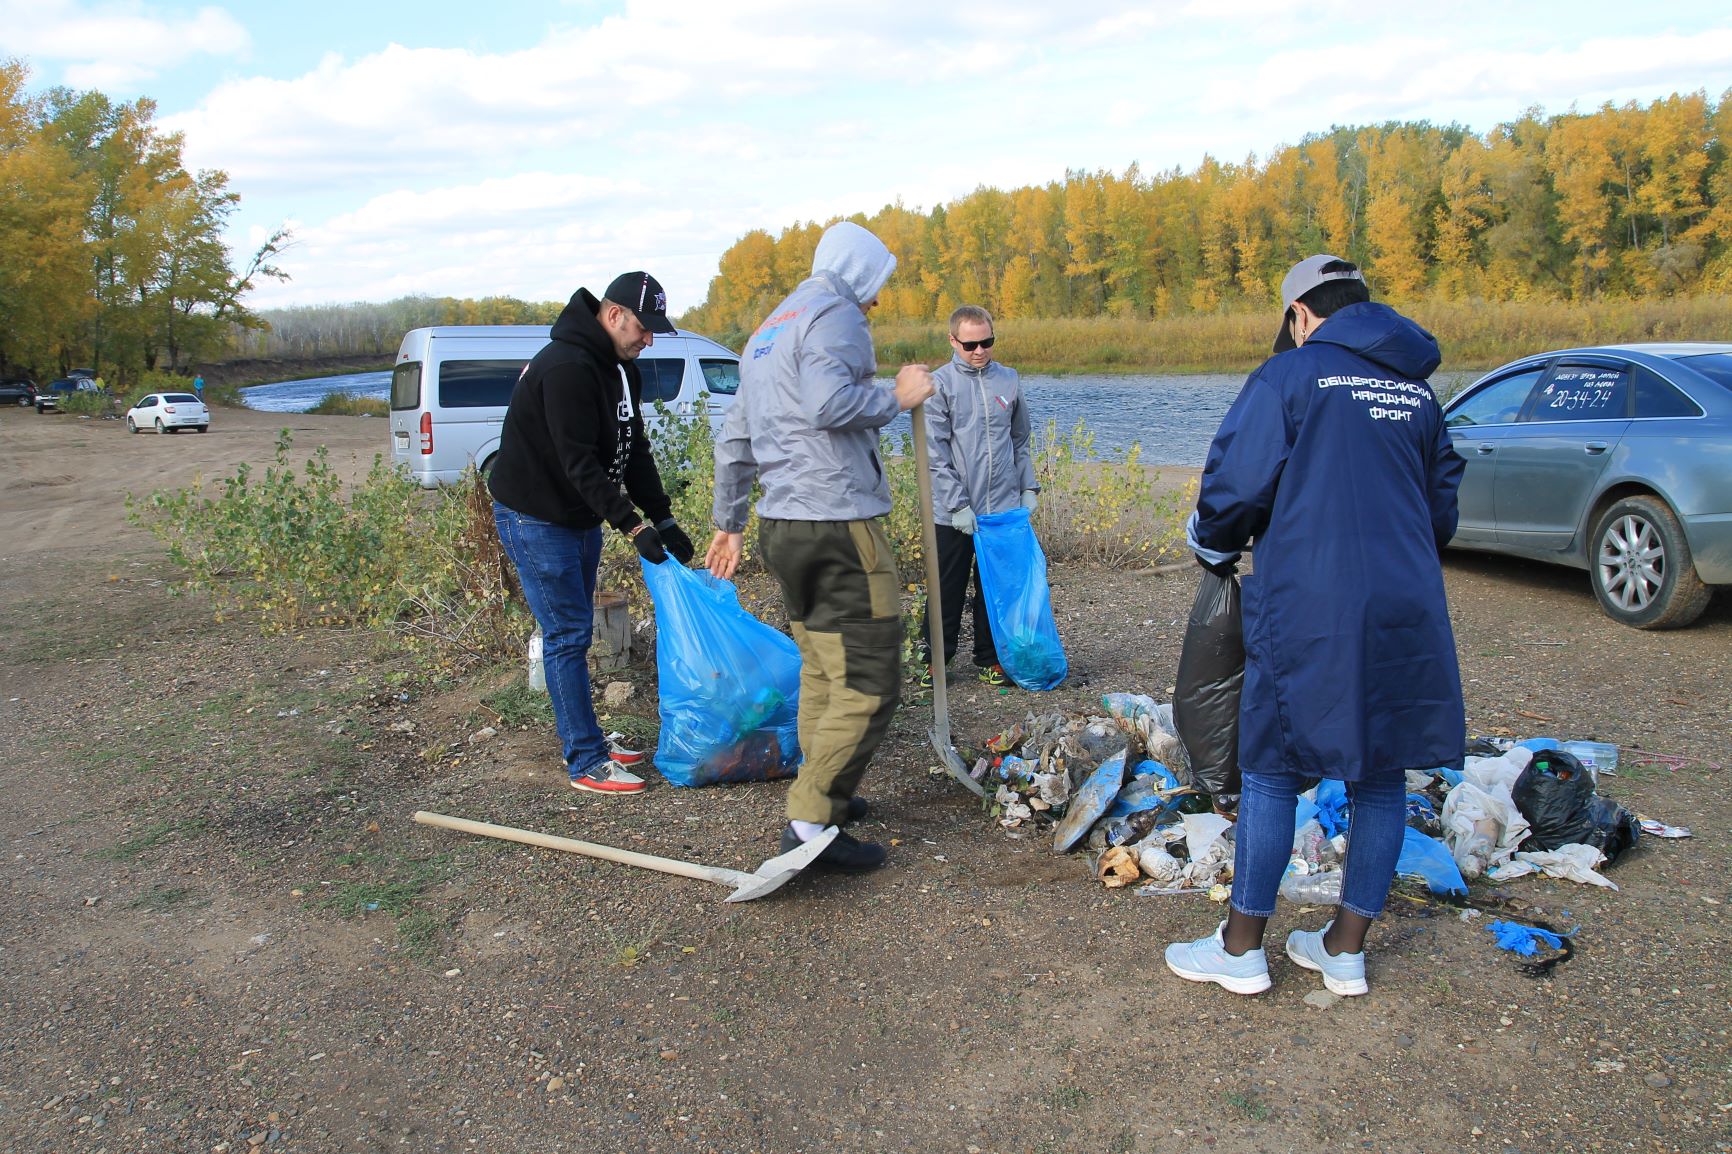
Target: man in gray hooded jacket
(805, 424)
(977, 426)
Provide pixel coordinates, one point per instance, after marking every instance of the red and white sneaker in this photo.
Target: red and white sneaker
(617, 751)
(616, 780)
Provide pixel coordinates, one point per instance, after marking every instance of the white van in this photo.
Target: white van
(451, 384)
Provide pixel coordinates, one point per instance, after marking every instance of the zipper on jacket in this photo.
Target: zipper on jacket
(986, 428)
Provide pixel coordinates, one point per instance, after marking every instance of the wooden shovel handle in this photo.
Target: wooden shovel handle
(666, 865)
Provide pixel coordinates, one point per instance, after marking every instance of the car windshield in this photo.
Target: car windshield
(180, 399)
(1717, 367)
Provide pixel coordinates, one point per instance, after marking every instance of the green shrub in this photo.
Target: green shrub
(296, 549)
(1107, 512)
(340, 404)
(85, 403)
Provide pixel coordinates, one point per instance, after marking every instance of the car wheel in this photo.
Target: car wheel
(201, 428)
(131, 425)
(1641, 566)
(159, 429)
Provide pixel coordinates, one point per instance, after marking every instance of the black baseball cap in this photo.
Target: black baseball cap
(642, 294)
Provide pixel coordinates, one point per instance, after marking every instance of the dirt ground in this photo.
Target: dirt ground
(222, 932)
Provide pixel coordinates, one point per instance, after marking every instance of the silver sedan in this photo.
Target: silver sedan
(1616, 459)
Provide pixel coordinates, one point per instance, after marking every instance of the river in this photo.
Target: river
(1173, 417)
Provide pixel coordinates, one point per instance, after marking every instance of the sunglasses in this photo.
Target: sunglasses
(970, 346)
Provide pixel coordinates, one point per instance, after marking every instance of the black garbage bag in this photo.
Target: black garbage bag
(1206, 691)
(1615, 829)
(1554, 793)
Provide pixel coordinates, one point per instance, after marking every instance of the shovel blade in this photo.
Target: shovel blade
(779, 870)
(953, 763)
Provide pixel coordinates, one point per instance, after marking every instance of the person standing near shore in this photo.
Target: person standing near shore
(573, 435)
(977, 431)
(1336, 460)
(805, 424)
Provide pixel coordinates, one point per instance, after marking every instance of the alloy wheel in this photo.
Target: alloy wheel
(1632, 562)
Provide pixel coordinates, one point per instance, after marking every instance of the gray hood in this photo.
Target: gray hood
(856, 258)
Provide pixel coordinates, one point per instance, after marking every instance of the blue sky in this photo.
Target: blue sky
(525, 149)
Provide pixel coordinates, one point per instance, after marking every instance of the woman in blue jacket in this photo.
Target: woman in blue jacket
(1336, 461)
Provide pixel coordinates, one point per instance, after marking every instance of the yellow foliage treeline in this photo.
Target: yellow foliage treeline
(1624, 202)
(1474, 335)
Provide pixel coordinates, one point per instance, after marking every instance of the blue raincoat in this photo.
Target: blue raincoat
(1335, 459)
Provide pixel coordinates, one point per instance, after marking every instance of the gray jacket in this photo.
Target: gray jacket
(806, 418)
(977, 434)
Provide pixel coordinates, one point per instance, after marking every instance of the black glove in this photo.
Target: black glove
(1225, 569)
(649, 544)
(676, 540)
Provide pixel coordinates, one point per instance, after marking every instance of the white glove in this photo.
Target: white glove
(1030, 499)
(963, 520)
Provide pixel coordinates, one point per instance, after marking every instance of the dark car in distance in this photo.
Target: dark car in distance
(1616, 459)
(17, 391)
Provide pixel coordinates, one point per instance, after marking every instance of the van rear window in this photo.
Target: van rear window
(406, 386)
(721, 376)
(477, 384)
(661, 378)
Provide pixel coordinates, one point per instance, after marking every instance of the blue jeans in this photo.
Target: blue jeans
(557, 567)
(1264, 841)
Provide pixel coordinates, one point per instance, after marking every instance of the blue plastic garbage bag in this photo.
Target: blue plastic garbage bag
(729, 684)
(1149, 788)
(1018, 603)
(1428, 858)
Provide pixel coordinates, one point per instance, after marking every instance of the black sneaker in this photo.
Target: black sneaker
(993, 675)
(858, 807)
(844, 855)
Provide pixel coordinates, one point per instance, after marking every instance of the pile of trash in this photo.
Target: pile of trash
(1120, 787)
(1116, 785)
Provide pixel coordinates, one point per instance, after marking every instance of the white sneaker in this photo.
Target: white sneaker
(612, 780)
(1207, 960)
(1343, 974)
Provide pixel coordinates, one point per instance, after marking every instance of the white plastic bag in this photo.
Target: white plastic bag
(1481, 828)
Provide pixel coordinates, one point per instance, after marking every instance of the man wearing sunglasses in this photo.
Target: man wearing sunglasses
(977, 430)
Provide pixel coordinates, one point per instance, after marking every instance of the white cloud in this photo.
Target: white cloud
(1399, 75)
(116, 44)
(658, 134)
(435, 110)
(531, 235)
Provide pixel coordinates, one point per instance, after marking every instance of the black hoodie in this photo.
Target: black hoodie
(570, 438)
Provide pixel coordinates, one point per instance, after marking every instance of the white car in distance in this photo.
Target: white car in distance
(168, 413)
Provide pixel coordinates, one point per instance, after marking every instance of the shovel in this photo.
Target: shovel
(766, 879)
(941, 742)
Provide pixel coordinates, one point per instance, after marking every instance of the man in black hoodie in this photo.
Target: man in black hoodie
(573, 435)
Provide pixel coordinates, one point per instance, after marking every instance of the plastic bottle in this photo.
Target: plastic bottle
(1599, 756)
(1312, 889)
(537, 674)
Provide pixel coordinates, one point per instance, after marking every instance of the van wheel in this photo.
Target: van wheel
(486, 469)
